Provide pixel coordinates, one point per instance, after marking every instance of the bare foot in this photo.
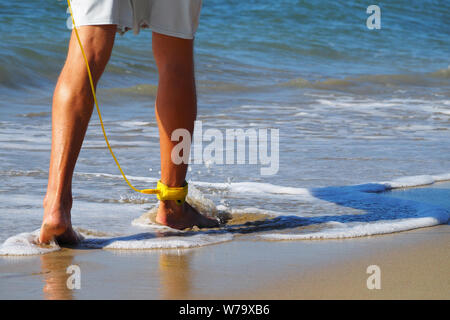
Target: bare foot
(182, 216)
(56, 224)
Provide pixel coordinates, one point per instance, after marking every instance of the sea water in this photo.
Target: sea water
(358, 111)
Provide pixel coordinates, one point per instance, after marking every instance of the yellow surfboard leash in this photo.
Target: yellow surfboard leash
(162, 191)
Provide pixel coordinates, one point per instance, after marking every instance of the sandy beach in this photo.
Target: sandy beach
(414, 265)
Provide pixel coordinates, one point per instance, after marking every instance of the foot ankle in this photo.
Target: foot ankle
(182, 216)
(57, 218)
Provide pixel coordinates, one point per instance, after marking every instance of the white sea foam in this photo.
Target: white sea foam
(151, 241)
(254, 210)
(355, 230)
(132, 124)
(24, 244)
(414, 181)
(266, 188)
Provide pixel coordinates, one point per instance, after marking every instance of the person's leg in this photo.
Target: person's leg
(176, 107)
(72, 109)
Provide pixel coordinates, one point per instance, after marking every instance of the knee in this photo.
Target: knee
(74, 95)
(74, 78)
(97, 58)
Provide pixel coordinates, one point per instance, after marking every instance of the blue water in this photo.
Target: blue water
(264, 42)
(353, 105)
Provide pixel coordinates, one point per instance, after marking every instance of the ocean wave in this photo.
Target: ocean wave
(369, 83)
(260, 188)
(366, 83)
(377, 213)
(23, 173)
(145, 90)
(264, 189)
(424, 216)
(442, 73)
(35, 114)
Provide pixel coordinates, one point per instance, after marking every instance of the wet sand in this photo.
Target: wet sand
(414, 264)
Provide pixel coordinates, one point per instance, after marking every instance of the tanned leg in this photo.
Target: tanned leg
(176, 107)
(71, 111)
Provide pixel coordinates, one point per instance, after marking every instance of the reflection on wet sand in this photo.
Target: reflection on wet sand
(175, 274)
(54, 268)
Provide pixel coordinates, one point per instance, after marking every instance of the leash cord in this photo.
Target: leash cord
(146, 191)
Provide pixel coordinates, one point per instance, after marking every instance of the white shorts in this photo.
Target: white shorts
(177, 18)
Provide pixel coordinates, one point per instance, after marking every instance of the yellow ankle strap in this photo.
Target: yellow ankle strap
(175, 193)
(164, 192)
